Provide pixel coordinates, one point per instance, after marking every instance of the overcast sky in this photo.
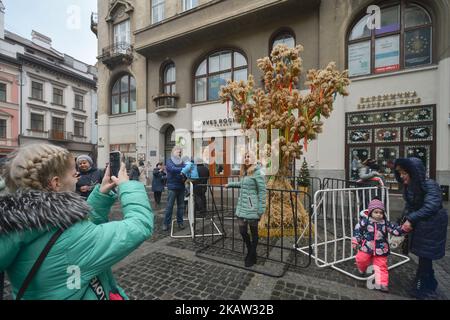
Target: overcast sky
(66, 22)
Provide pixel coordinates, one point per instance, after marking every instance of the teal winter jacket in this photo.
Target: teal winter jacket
(252, 198)
(88, 248)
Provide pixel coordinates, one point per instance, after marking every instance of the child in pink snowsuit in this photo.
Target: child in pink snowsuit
(371, 234)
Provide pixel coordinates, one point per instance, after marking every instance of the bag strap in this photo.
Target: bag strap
(38, 263)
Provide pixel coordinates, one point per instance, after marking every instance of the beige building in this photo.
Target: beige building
(162, 64)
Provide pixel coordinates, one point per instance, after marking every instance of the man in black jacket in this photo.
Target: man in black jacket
(200, 187)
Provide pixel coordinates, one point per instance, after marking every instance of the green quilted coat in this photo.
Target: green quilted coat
(252, 197)
(89, 246)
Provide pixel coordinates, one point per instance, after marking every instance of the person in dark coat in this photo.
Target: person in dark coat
(134, 172)
(158, 182)
(200, 187)
(90, 176)
(175, 185)
(425, 215)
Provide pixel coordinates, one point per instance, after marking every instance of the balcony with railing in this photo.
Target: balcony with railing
(166, 104)
(59, 135)
(117, 54)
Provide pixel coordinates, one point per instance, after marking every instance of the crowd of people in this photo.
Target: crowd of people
(50, 199)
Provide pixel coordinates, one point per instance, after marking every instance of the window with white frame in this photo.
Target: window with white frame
(37, 122)
(78, 128)
(58, 124)
(214, 71)
(189, 4)
(157, 11)
(79, 102)
(122, 36)
(57, 96)
(169, 79)
(37, 90)
(3, 92)
(3, 128)
(123, 95)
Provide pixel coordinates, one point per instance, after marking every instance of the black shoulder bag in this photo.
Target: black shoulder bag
(34, 269)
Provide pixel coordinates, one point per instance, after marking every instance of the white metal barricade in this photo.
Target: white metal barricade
(335, 214)
(191, 219)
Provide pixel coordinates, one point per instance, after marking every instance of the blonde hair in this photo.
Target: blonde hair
(250, 169)
(32, 166)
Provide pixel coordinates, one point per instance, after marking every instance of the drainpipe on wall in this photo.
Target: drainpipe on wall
(20, 104)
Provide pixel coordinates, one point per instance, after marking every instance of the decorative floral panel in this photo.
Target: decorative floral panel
(385, 157)
(388, 135)
(418, 133)
(418, 114)
(422, 152)
(359, 136)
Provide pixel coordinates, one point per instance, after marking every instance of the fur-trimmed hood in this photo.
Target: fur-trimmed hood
(38, 210)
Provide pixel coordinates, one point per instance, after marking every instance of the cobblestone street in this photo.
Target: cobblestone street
(164, 268)
(168, 268)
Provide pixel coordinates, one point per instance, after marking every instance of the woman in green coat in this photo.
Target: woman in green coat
(251, 204)
(42, 180)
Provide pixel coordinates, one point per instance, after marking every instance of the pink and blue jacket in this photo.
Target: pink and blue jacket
(372, 236)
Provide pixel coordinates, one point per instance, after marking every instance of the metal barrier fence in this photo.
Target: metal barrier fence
(277, 244)
(325, 236)
(336, 213)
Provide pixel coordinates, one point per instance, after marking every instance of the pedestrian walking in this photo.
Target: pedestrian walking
(251, 204)
(426, 217)
(42, 210)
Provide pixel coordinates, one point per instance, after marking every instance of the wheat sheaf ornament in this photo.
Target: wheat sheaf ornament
(298, 119)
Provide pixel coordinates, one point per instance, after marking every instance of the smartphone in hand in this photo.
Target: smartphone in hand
(115, 158)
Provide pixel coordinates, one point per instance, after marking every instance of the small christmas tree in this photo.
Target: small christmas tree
(303, 179)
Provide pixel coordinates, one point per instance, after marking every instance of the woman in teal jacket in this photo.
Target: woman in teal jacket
(78, 267)
(251, 204)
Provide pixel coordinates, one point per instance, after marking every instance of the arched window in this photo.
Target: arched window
(123, 95)
(169, 79)
(214, 71)
(403, 40)
(285, 36)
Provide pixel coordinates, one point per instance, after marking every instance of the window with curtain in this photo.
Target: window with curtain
(157, 11)
(214, 71)
(404, 40)
(189, 4)
(123, 95)
(122, 36)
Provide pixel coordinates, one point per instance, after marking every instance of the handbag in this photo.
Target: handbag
(34, 269)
